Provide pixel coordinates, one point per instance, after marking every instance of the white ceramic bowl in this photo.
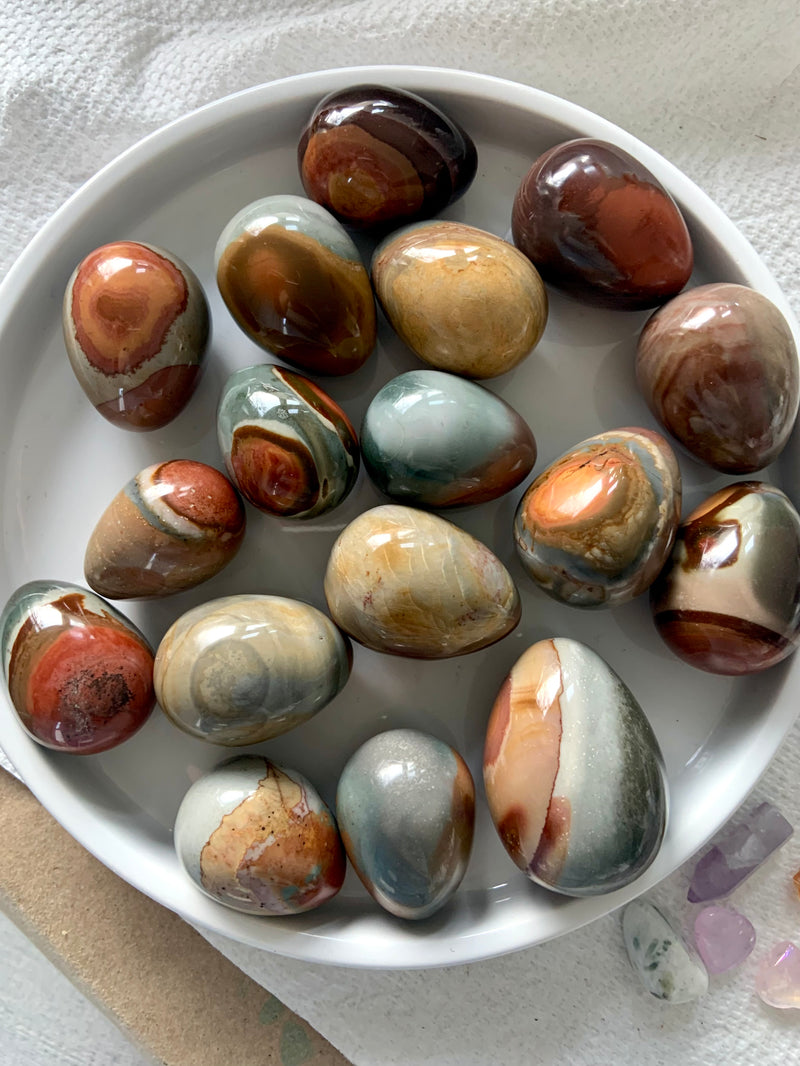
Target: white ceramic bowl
(62, 463)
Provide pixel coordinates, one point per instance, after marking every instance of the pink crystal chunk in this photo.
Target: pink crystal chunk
(738, 852)
(724, 938)
(778, 977)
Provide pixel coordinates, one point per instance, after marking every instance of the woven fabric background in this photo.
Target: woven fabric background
(713, 85)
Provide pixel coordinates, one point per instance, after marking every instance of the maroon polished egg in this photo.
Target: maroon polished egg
(597, 224)
(378, 157)
(136, 326)
(79, 674)
(718, 368)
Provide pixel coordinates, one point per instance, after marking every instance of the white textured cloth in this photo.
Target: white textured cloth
(713, 85)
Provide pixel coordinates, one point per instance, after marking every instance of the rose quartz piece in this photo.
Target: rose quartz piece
(724, 938)
(778, 977)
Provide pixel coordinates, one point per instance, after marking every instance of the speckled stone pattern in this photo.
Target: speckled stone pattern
(406, 811)
(729, 599)
(136, 327)
(462, 299)
(377, 157)
(573, 772)
(718, 368)
(79, 674)
(294, 282)
(242, 669)
(173, 526)
(667, 966)
(597, 224)
(290, 449)
(406, 582)
(431, 439)
(595, 528)
(259, 838)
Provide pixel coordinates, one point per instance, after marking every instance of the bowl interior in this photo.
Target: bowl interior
(62, 464)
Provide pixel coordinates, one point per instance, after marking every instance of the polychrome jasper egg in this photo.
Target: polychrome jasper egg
(171, 527)
(258, 838)
(294, 282)
(435, 440)
(378, 157)
(410, 583)
(243, 669)
(290, 449)
(718, 368)
(728, 601)
(595, 528)
(136, 326)
(406, 811)
(597, 224)
(79, 674)
(462, 299)
(573, 772)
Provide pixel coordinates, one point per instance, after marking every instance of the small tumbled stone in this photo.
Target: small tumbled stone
(796, 880)
(667, 966)
(778, 977)
(724, 938)
(738, 853)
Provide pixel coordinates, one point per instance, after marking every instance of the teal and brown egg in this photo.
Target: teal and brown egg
(406, 811)
(595, 528)
(432, 439)
(294, 282)
(173, 526)
(574, 776)
(243, 669)
(728, 601)
(290, 449)
(259, 838)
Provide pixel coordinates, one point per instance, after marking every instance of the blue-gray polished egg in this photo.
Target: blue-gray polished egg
(432, 439)
(406, 811)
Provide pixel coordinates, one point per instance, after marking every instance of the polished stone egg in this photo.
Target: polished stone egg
(595, 527)
(259, 838)
(290, 449)
(596, 223)
(573, 772)
(378, 157)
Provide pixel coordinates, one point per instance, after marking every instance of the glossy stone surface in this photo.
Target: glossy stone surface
(666, 965)
(597, 224)
(170, 528)
(718, 368)
(290, 449)
(243, 669)
(738, 853)
(294, 282)
(79, 674)
(435, 440)
(409, 583)
(462, 299)
(724, 938)
(573, 772)
(778, 977)
(378, 157)
(406, 811)
(596, 527)
(258, 838)
(728, 600)
(136, 327)
(796, 882)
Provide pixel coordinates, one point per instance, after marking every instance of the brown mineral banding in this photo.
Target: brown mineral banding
(154, 403)
(125, 298)
(299, 299)
(276, 474)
